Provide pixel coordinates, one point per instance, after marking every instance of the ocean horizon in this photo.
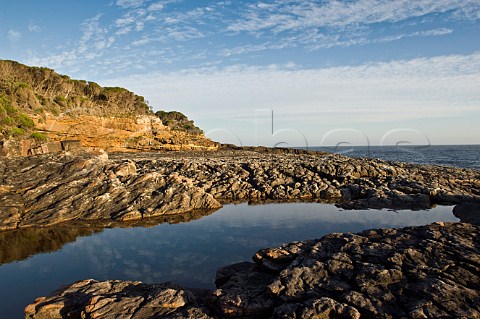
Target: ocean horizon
(463, 156)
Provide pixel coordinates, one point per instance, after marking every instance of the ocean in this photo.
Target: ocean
(464, 156)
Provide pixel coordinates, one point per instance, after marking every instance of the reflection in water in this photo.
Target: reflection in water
(20, 244)
(187, 253)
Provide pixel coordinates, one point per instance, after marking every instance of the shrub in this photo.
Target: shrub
(38, 136)
(24, 121)
(41, 98)
(7, 120)
(22, 85)
(178, 121)
(59, 99)
(15, 132)
(115, 89)
(5, 103)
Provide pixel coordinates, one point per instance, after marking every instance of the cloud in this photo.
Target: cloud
(92, 44)
(134, 19)
(292, 15)
(183, 33)
(34, 28)
(14, 36)
(130, 3)
(435, 32)
(249, 48)
(225, 34)
(94, 36)
(426, 33)
(401, 91)
(156, 6)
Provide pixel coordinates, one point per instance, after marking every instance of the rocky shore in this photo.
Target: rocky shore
(92, 186)
(416, 272)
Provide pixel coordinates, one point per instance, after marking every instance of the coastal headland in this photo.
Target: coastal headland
(76, 154)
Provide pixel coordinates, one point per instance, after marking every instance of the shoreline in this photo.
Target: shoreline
(90, 186)
(122, 189)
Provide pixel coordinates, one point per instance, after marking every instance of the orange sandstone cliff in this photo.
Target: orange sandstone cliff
(42, 111)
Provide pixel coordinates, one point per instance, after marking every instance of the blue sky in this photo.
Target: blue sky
(292, 72)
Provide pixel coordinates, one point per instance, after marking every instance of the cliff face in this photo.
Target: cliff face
(40, 106)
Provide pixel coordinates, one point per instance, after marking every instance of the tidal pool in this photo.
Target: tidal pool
(37, 261)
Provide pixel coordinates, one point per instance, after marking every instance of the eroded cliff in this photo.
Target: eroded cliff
(39, 106)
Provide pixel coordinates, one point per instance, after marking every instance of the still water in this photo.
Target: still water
(188, 253)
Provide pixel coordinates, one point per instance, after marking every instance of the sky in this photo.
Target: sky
(282, 72)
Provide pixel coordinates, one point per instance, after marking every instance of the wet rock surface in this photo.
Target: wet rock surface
(49, 189)
(416, 272)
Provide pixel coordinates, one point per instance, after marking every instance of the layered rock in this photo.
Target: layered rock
(116, 299)
(141, 133)
(417, 272)
(46, 190)
(39, 106)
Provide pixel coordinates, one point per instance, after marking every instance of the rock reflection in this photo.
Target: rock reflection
(20, 244)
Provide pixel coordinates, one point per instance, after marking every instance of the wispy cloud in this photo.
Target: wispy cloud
(354, 96)
(94, 41)
(134, 19)
(94, 35)
(249, 48)
(14, 36)
(286, 15)
(32, 27)
(206, 33)
(321, 25)
(426, 33)
(130, 3)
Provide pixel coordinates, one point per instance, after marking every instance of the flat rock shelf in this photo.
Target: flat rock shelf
(51, 189)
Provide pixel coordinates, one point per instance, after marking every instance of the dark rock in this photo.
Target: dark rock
(416, 272)
(468, 212)
(49, 189)
(71, 145)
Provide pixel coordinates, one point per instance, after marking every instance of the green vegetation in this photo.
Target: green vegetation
(38, 136)
(24, 121)
(22, 85)
(38, 92)
(60, 99)
(94, 84)
(57, 93)
(14, 132)
(13, 122)
(178, 121)
(115, 89)
(41, 99)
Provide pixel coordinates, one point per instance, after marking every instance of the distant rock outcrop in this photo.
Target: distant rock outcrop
(39, 106)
